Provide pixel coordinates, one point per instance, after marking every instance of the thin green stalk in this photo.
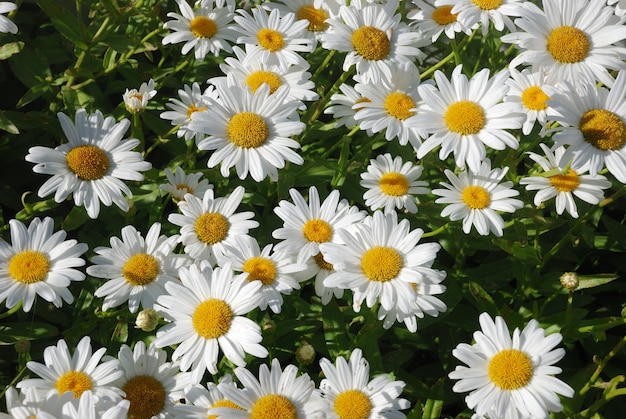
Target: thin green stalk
(324, 64)
(436, 231)
(601, 365)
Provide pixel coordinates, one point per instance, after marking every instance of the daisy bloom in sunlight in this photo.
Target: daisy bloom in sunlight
(527, 89)
(250, 131)
(433, 21)
(88, 407)
(564, 184)
(92, 164)
(137, 100)
(179, 184)
(475, 197)
(510, 377)
(342, 106)
(391, 184)
(182, 110)
(136, 269)
(207, 311)
(29, 404)
(38, 262)
(205, 30)
(201, 399)
(5, 24)
(315, 12)
(351, 393)
(473, 12)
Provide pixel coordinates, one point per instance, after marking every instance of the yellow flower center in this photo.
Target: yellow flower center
(476, 197)
(567, 182)
(394, 184)
(568, 45)
(442, 15)
(270, 39)
(510, 369)
(603, 129)
(193, 108)
(371, 43)
(381, 263)
(224, 403)
(399, 105)
(88, 162)
(212, 227)
(29, 267)
(257, 78)
(260, 269)
(203, 27)
(141, 269)
(184, 188)
(212, 318)
(321, 262)
(352, 404)
(146, 395)
(464, 117)
(316, 17)
(487, 4)
(74, 381)
(247, 130)
(318, 231)
(535, 99)
(273, 406)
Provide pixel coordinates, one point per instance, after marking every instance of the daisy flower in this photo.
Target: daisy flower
(30, 404)
(315, 12)
(76, 373)
(5, 24)
(463, 116)
(207, 312)
(92, 164)
(391, 184)
(374, 38)
(201, 399)
(527, 90)
(433, 21)
(179, 184)
(381, 260)
(593, 126)
(342, 106)
(136, 269)
(88, 407)
(473, 12)
(181, 112)
(476, 196)
(564, 184)
(137, 100)
(620, 6)
(510, 376)
(205, 30)
(208, 223)
(577, 41)
(250, 131)
(351, 393)
(38, 262)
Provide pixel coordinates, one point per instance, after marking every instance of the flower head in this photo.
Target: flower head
(137, 100)
(5, 24)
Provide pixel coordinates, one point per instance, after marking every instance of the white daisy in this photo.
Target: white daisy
(510, 377)
(476, 196)
(593, 126)
(137, 100)
(527, 89)
(473, 12)
(381, 260)
(207, 312)
(136, 269)
(88, 407)
(564, 184)
(77, 373)
(201, 399)
(350, 392)
(92, 164)
(578, 40)
(463, 116)
(5, 24)
(342, 106)
(179, 184)
(250, 131)
(433, 21)
(30, 404)
(192, 100)
(620, 6)
(208, 223)
(391, 184)
(315, 12)
(206, 29)
(38, 262)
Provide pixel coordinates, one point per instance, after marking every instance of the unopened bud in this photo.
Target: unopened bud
(22, 346)
(147, 320)
(305, 354)
(569, 280)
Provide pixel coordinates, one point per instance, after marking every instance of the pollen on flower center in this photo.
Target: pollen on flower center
(510, 369)
(442, 15)
(146, 395)
(394, 184)
(29, 267)
(141, 269)
(247, 130)
(74, 381)
(271, 39)
(257, 78)
(212, 227)
(568, 45)
(321, 262)
(260, 269)
(567, 182)
(487, 4)
(224, 403)
(603, 129)
(212, 318)
(464, 117)
(535, 99)
(88, 162)
(316, 17)
(371, 43)
(399, 105)
(381, 263)
(476, 197)
(184, 188)
(203, 27)
(273, 406)
(193, 108)
(318, 231)
(352, 404)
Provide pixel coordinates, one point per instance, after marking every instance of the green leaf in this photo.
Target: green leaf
(7, 125)
(12, 332)
(68, 24)
(10, 49)
(334, 330)
(591, 281)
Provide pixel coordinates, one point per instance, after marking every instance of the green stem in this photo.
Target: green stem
(324, 64)
(11, 311)
(436, 231)
(601, 365)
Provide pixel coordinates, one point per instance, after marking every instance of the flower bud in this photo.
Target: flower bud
(147, 320)
(305, 354)
(569, 280)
